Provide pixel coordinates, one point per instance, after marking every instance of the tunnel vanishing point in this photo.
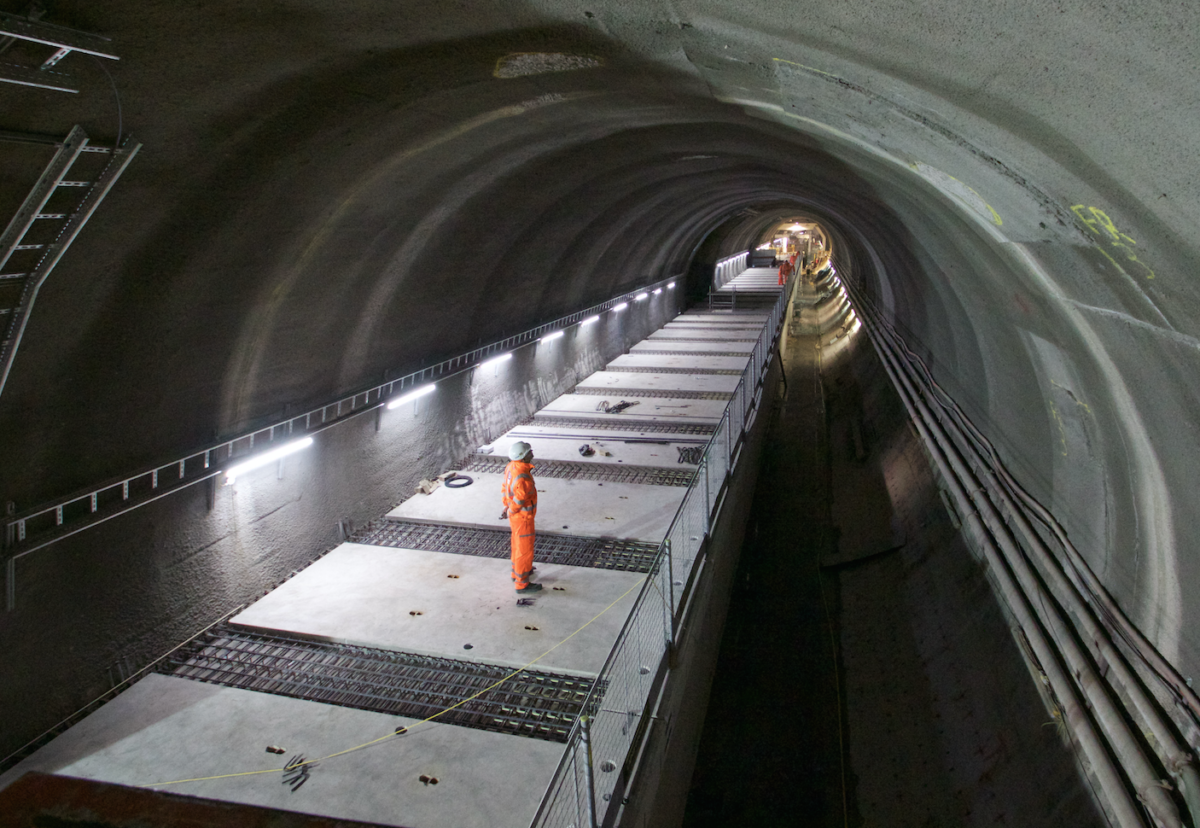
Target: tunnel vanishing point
(304, 202)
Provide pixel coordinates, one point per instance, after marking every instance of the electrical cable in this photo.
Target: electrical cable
(690, 454)
(117, 95)
(1084, 586)
(1093, 592)
(409, 728)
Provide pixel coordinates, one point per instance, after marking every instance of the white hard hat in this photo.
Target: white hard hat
(518, 450)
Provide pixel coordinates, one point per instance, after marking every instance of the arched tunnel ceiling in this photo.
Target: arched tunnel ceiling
(327, 193)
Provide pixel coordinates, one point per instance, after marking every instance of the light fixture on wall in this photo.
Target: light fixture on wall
(656, 291)
(670, 285)
(266, 458)
(496, 360)
(620, 307)
(411, 395)
(641, 296)
(551, 336)
(590, 320)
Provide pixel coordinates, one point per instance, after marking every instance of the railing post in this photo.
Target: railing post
(585, 734)
(670, 593)
(669, 625)
(707, 501)
(728, 443)
(10, 584)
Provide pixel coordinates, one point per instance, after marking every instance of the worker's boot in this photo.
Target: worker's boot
(528, 588)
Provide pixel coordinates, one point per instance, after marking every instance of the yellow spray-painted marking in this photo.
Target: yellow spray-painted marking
(802, 66)
(1062, 430)
(971, 196)
(999, 222)
(933, 173)
(1071, 394)
(995, 216)
(1102, 227)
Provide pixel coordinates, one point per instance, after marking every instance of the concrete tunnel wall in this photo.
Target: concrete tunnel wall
(326, 197)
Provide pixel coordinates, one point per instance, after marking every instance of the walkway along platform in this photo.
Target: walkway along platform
(416, 618)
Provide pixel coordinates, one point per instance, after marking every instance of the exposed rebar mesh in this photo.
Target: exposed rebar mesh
(622, 424)
(608, 472)
(596, 553)
(531, 703)
(653, 392)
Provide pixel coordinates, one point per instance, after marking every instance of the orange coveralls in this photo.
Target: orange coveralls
(785, 270)
(520, 499)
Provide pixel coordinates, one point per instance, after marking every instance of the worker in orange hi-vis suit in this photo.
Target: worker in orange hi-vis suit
(785, 270)
(520, 507)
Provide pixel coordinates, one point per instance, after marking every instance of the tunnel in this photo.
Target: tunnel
(315, 200)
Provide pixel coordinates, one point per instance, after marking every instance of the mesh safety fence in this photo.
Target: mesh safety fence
(617, 714)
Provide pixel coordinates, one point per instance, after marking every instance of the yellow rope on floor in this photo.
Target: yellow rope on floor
(409, 728)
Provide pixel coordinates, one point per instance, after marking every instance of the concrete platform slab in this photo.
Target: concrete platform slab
(365, 595)
(700, 327)
(755, 275)
(626, 383)
(652, 409)
(565, 507)
(693, 315)
(730, 347)
(769, 285)
(626, 448)
(710, 363)
(717, 322)
(664, 333)
(165, 728)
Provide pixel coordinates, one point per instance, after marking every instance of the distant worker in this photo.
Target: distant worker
(520, 507)
(785, 270)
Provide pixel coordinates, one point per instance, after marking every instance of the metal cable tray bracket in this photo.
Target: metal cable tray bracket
(573, 470)
(622, 424)
(654, 392)
(633, 370)
(570, 550)
(532, 703)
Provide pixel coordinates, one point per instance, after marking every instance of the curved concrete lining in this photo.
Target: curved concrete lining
(330, 194)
